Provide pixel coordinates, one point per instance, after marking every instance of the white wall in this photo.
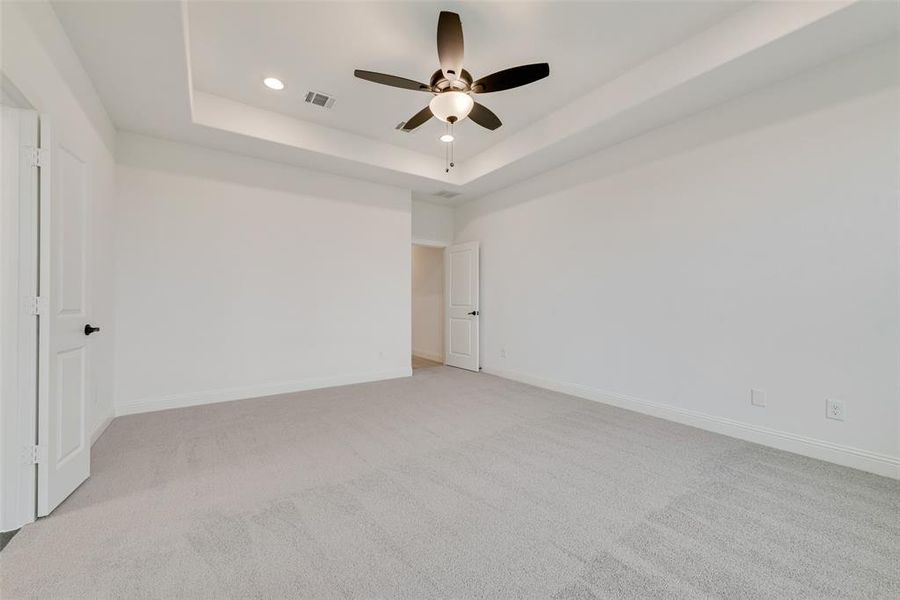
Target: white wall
(767, 259)
(39, 61)
(238, 277)
(432, 224)
(428, 302)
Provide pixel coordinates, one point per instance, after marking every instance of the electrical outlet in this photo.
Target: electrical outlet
(502, 352)
(758, 398)
(834, 409)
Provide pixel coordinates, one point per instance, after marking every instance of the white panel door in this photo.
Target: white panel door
(18, 324)
(461, 335)
(63, 438)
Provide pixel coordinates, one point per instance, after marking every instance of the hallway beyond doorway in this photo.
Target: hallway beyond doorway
(423, 363)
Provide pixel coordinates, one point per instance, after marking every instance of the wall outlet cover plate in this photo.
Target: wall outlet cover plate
(834, 409)
(757, 398)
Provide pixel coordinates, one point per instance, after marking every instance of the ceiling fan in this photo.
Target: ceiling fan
(452, 85)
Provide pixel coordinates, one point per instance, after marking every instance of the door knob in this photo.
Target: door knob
(474, 313)
(88, 330)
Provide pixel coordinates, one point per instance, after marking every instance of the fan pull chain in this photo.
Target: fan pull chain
(448, 148)
(448, 151)
(451, 145)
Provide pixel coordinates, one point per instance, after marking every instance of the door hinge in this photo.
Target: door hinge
(37, 305)
(36, 455)
(36, 157)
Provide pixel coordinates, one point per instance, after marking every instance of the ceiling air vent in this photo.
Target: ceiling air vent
(447, 194)
(320, 99)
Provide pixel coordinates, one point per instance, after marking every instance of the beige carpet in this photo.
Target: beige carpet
(451, 484)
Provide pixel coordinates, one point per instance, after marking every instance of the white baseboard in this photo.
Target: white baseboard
(880, 464)
(428, 355)
(101, 428)
(143, 405)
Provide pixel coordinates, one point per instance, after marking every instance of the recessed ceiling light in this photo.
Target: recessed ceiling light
(273, 83)
(447, 138)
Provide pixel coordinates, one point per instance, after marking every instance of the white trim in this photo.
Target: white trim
(848, 456)
(101, 428)
(431, 243)
(252, 391)
(428, 355)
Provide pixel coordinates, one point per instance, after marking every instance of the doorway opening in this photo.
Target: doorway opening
(427, 306)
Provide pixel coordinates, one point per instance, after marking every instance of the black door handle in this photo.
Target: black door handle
(88, 330)
(474, 313)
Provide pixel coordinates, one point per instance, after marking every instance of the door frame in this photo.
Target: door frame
(446, 326)
(23, 257)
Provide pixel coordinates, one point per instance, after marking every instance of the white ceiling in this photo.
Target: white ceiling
(192, 72)
(316, 46)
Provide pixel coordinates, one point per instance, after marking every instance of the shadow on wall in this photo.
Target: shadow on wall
(874, 69)
(428, 302)
(195, 161)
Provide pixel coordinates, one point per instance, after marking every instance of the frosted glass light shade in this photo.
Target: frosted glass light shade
(451, 104)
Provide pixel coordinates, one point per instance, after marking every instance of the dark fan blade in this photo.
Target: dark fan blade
(392, 80)
(450, 44)
(484, 117)
(511, 78)
(417, 119)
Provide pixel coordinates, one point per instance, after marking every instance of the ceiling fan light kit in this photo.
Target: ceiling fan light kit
(452, 106)
(453, 86)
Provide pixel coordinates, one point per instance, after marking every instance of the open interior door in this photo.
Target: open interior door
(64, 449)
(18, 322)
(462, 319)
